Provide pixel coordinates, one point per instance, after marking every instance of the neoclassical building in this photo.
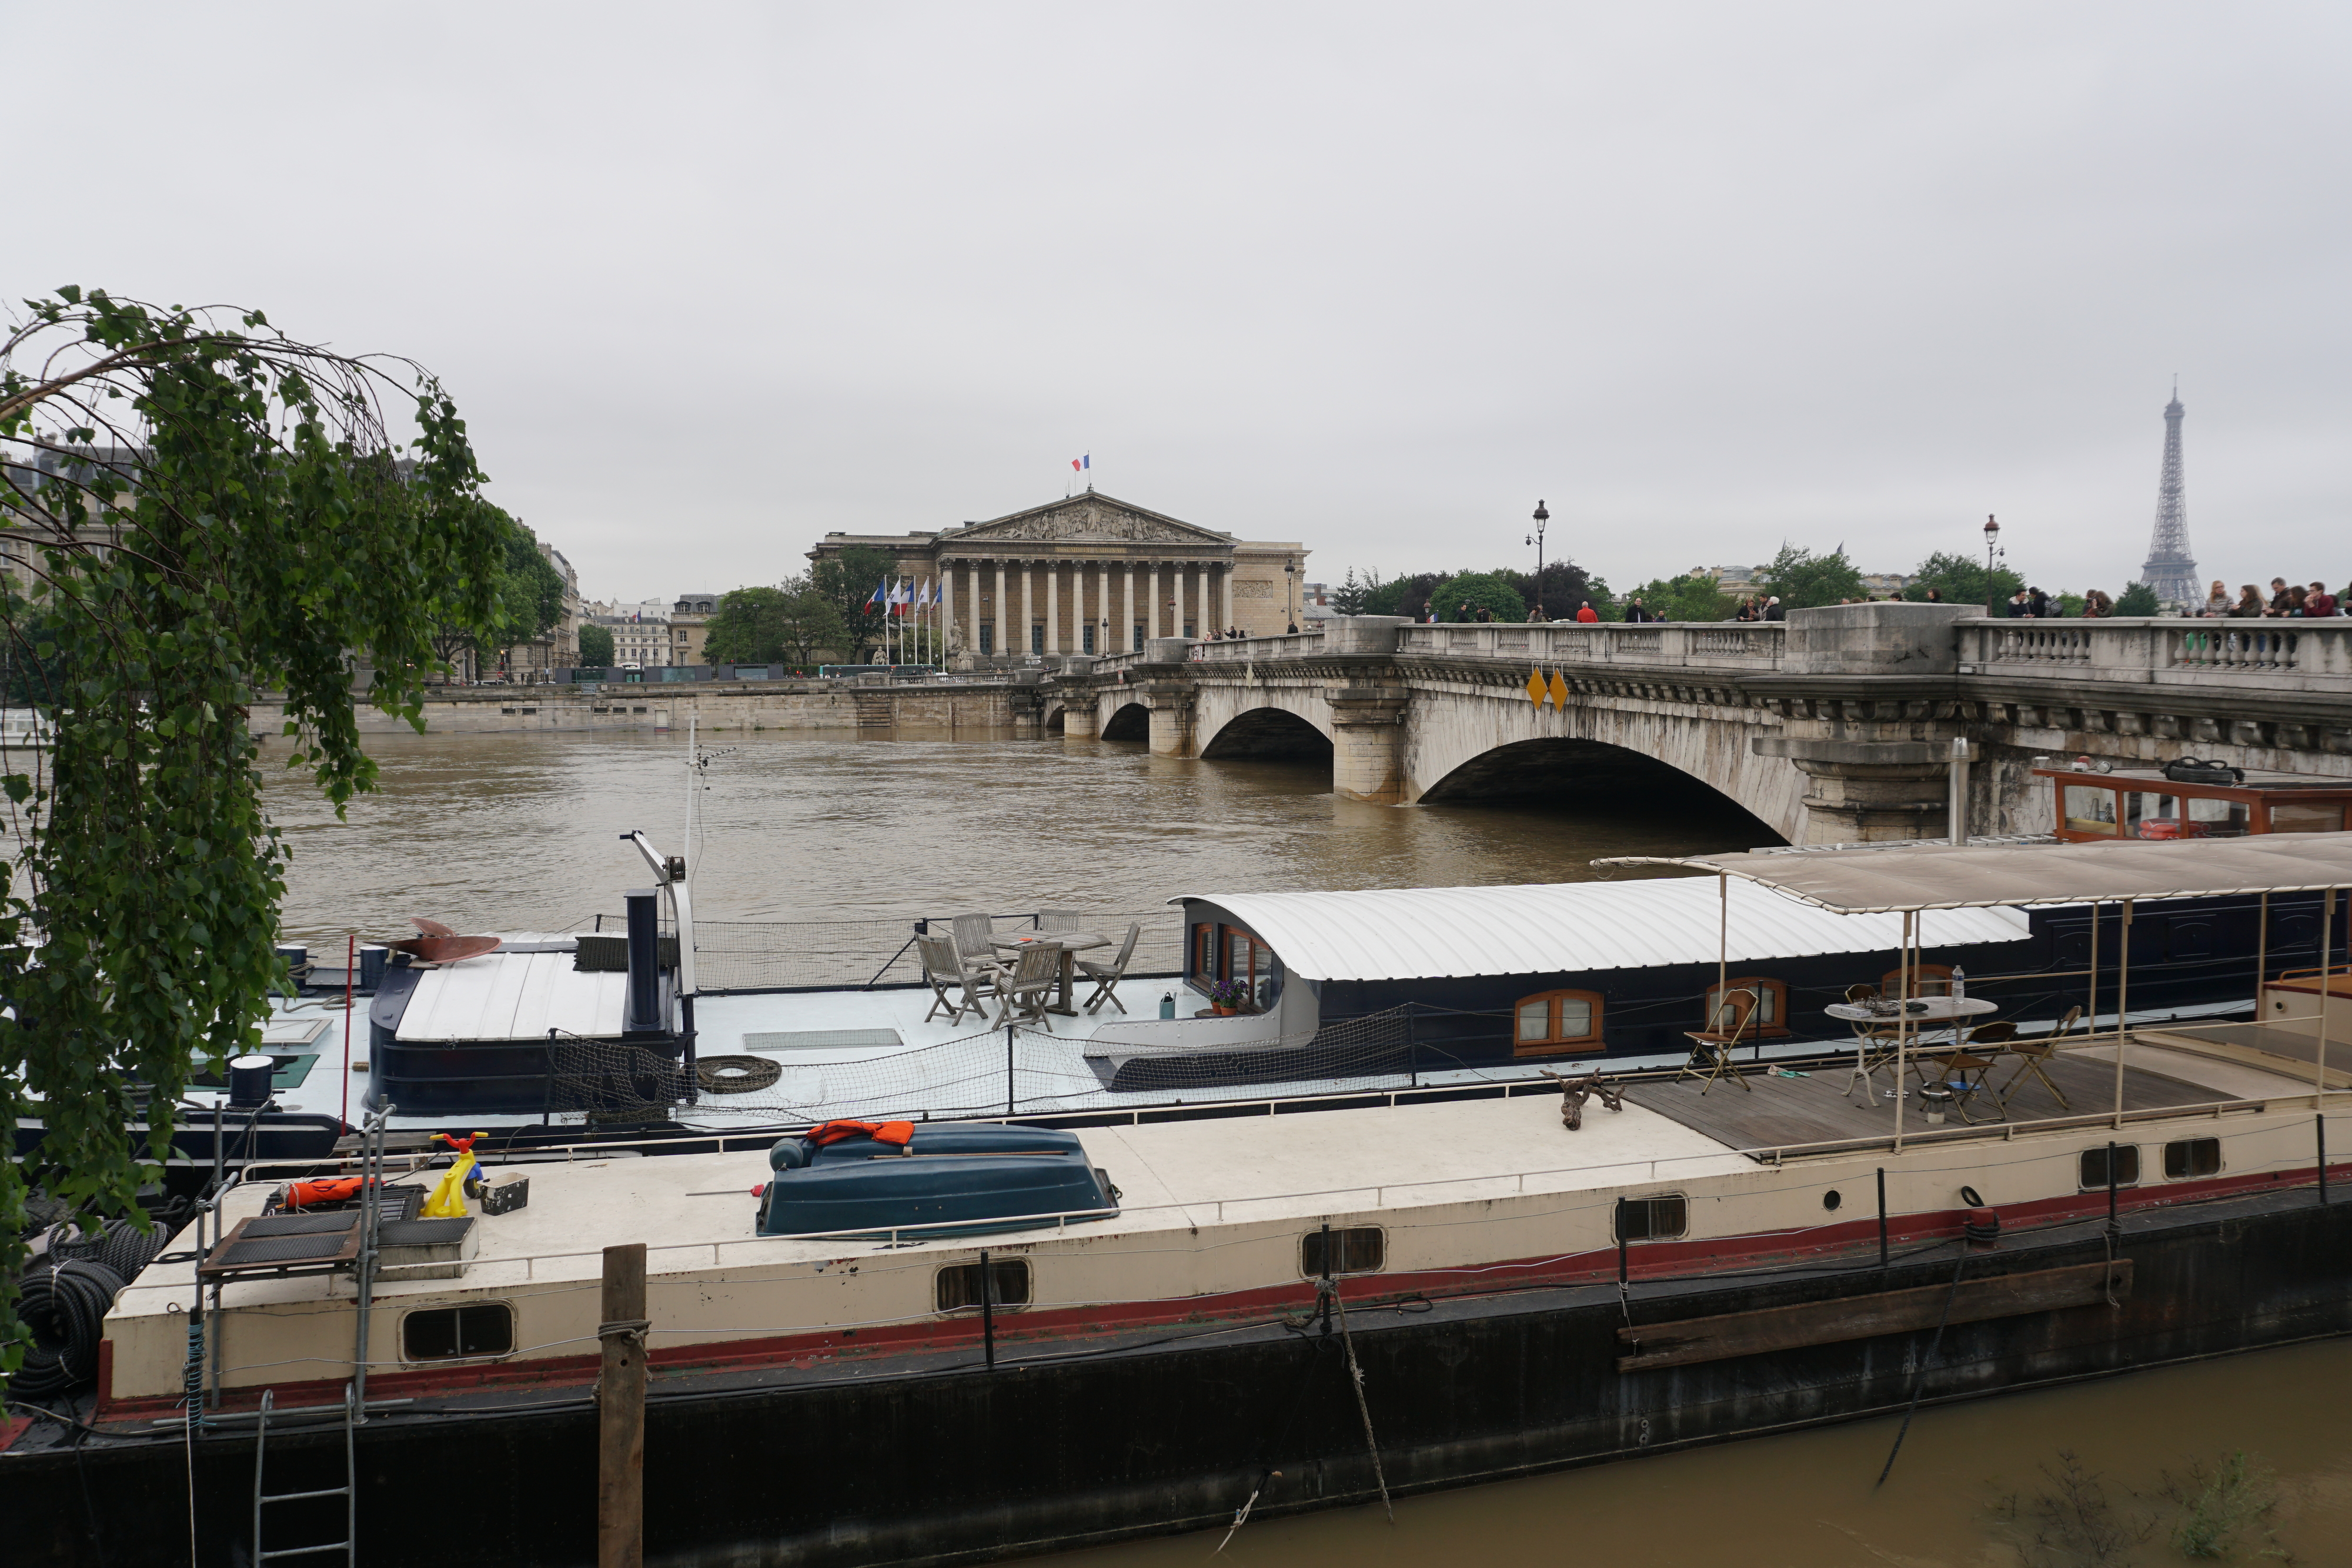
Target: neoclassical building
(1091, 574)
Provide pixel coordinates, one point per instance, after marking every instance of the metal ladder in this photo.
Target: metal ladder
(348, 1491)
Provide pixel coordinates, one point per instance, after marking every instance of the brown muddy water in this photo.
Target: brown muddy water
(507, 833)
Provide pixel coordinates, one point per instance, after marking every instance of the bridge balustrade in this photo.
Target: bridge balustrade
(1703, 646)
(2311, 656)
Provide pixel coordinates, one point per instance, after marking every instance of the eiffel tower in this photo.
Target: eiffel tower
(2171, 570)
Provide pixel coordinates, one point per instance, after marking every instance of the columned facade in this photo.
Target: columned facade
(1089, 573)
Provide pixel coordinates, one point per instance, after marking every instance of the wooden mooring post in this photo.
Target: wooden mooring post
(621, 1412)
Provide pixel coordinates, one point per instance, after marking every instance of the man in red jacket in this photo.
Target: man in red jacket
(1588, 614)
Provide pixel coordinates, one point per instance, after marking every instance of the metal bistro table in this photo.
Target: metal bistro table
(1071, 943)
(1931, 1010)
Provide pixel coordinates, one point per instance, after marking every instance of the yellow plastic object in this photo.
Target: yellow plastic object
(447, 1199)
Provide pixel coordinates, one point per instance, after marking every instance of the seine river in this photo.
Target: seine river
(522, 832)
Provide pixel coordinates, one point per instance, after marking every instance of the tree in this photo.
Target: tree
(595, 647)
(847, 581)
(772, 625)
(526, 597)
(249, 524)
(1355, 593)
(1801, 579)
(1480, 590)
(2138, 599)
(1961, 580)
(1566, 586)
(1690, 597)
(1402, 595)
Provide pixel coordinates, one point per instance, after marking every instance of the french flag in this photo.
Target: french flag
(880, 597)
(1082, 463)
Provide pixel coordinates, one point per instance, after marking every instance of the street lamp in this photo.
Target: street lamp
(1536, 538)
(1992, 553)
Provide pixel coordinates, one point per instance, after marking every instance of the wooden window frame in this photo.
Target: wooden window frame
(1554, 1044)
(1777, 990)
(1890, 984)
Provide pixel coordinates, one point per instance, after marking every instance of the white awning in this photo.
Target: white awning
(1974, 876)
(1577, 927)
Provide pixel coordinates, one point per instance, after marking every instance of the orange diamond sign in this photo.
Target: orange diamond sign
(1535, 687)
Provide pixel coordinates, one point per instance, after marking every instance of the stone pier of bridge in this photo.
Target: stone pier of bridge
(1834, 727)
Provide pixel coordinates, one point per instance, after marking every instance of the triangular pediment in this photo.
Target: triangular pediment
(1089, 518)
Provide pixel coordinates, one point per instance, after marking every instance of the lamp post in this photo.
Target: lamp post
(1992, 553)
(1536, 538)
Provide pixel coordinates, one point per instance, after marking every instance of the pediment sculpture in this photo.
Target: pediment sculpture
(1090, 521)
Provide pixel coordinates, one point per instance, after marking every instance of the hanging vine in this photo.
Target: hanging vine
(198, 512)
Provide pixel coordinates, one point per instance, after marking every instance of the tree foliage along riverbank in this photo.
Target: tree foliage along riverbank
(208, 509)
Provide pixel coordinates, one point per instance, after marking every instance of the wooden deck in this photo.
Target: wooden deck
(1783, 1112)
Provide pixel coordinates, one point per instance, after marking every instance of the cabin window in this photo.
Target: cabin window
(1926, 980)
(1204, 954)
(1556, 1021)
(1357, 1250)
(1728, 1007)
(2094, 1167)
(959, 1285)
(1228, 953)
(1651, 1219)
(453, 1334)
(2090, 808)
(2302, 817)
(2212, 817)
(2192, 1157)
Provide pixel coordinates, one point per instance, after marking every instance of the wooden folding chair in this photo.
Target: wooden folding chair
(1710, 1057)
(2033, 1059)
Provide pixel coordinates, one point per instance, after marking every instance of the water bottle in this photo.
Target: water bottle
(1959, 984)
(1167, 1004)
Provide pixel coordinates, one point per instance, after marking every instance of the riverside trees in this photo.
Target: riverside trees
(204, 509)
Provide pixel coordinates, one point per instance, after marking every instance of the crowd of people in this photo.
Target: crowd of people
(2286, 598)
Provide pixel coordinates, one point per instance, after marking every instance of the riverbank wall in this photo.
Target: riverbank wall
(715, 705)
(938, 1458)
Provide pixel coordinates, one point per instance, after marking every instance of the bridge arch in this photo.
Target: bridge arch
(1127, 721)
(1269, 733)
(1571, 769)
(1058, 719)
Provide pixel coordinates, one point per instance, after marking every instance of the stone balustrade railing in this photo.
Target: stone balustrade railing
(2302, 655)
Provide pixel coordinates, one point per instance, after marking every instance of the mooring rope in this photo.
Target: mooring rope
(1919, 1377)
(1355, 1378)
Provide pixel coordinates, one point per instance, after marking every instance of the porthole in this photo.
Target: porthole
(1651, 1219)
(1357, 1250)
(2094, 1167)
(959, 1285)
(457, 1333)
(1832, 1199)
(2192, 1157)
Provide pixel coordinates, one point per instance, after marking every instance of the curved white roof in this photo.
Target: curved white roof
(1432, 932)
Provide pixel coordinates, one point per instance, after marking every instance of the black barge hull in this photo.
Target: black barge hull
(935, 1460)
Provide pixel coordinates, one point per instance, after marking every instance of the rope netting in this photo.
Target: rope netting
(832, 955)
(1015, 1072)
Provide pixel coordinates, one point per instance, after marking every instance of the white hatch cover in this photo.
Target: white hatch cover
(515, 996)
(1433, 933)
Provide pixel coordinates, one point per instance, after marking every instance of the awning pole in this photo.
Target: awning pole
(2327, 967)
(1903, 1026)
(2123, 1005)
(1722, 953)
(2262, 956)
(2090, 1020)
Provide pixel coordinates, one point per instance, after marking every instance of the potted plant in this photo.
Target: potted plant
(1229, 997)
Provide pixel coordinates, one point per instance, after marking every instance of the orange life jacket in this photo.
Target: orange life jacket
(325, 1189)
(899, 1132)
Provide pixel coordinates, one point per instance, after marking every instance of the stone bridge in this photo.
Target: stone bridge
(1835, 727)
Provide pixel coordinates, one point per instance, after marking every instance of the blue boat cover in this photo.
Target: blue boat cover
(964, 1177)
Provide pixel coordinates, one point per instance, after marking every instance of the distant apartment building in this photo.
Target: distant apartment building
(641, 630)
(690, 627)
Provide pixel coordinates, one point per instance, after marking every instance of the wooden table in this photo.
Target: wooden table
(1923, 1010)
(1071, 943)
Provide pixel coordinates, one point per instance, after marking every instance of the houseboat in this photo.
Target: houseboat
(894, 1342)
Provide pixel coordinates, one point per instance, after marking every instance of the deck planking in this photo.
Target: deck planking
(1783, 1112)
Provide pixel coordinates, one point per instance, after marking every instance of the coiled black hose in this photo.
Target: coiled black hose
(65, 1305)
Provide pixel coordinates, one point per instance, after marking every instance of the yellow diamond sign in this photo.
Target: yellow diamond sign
(1535, 687)
(1558, 691)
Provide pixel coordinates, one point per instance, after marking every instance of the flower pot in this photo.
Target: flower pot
(1223, 1012)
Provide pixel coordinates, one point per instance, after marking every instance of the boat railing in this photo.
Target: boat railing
(862, 955)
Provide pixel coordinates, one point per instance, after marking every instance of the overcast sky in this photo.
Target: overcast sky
(710, 281)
